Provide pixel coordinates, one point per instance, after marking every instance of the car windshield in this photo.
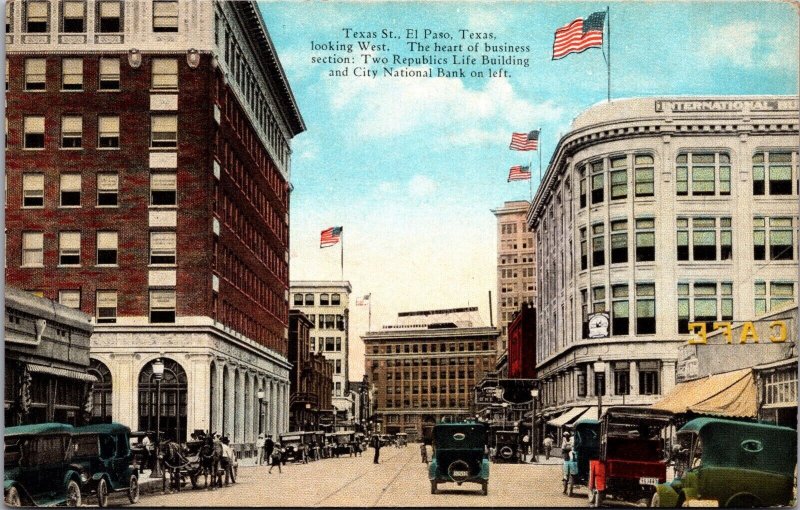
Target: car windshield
(14, 447)
(681, 453)
(468, 436)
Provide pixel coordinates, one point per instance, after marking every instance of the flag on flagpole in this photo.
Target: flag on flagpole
(580, 35)
(525, 141)
(363, 301)
(329, 237)
(519, 173)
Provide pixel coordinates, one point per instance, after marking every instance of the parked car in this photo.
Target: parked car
(296, 445)
(632, 458)
(401, 439)
(507, 447)
(103, 455)
(586, 447)
(731, 463)
(460, 455)
(38, 471)
(341, 441)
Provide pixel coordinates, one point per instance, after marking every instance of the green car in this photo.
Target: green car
(103, 455)
(731, 463)
(460, 455)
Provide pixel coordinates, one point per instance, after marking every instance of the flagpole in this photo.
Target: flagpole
(369, 325)
(608, 47)
(341, 253)
(539, 149)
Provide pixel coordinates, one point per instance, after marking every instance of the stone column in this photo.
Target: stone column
(667, 376)
(198, 405)
(240, 406)
(124, 402)
(249, 394)
(228, 402)
(273, 406)
(634, 378)
(609, 378)
(590, 380)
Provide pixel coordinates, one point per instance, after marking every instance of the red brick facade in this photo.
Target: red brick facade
(311, 376)
(250, 200)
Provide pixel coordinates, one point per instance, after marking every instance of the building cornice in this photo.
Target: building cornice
(433, 334)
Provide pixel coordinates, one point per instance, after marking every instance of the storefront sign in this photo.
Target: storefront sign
(776, 332)
(598, 325)
(726, 105)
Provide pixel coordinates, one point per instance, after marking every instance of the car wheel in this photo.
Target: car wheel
(133, 489)
(433, 487)
(571, 485)
(12, 497)
(102, 493)
(73, 494)
(655, 501)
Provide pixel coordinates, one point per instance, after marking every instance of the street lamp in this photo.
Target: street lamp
(599, 368)
(260, 394)
(158, 374)
(534, 441)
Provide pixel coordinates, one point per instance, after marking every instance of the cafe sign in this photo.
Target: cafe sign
(776, 332)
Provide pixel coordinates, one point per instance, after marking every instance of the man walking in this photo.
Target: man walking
(269, 445)
(548, 446)
(376, 443)
(526, 440)
(228, 461)
(261, 449)
(275, 457)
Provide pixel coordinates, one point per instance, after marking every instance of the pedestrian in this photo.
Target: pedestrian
(377, 445)
(147, 451)
(566, 445)
(526, 443)
(548, 446)
(423, 450)
(261, 449)
(228, 460)
(275, 457)
(269, 445)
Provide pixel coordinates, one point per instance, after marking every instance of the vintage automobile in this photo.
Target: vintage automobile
(342, 442)
(586, 447)
(460, 455)
(296, 445)
(632, 458)
(401, 439)
(427, 434)
(38, 471)
(730, 463)
(103, 455)
(507, 447)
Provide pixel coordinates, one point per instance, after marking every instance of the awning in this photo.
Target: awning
(591, 414)
(567, 417)
(731, 394)
(61, 372)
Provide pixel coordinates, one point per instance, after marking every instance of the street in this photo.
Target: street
(399, 480)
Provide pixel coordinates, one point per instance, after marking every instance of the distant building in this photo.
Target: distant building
(516, 264)
(47, 363)
(425, 366)
(311, 377)
(521, 353)
(327, 305)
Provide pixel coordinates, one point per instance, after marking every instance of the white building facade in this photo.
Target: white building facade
(658, 212)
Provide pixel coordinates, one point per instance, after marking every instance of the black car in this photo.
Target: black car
(507, 446)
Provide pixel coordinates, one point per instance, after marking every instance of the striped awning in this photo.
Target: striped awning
(61, 372)
(567, 417)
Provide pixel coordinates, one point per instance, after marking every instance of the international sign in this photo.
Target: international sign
(598, 325)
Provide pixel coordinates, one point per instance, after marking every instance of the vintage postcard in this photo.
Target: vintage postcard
(401, 254)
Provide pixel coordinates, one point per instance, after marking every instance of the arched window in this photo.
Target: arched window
(101, 392)
(172, 400)
(309, 299)
(324, 300)
(336, 300)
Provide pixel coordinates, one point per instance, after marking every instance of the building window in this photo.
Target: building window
(780, 295)
(71, 132)
(106, 248)
(162, 306)
(336, 299)
(645, 308)
(298, 300)
(620, 310)
(338, 344)
(648, 377)
(37, 15)
(107, 189)
(708, 172)
(619, 178)
(584, 255)
(106, 306)
(598, 299)
(35, 74)
(108, 132)
(309, 299)
(600, 383)
(109, 74)
(622, 378)
(704, 237)
(73, 16)
(324, 300)
(162, 248)
(704, 302)
(644, 175)
(69, 249)
(329, 344)
(645, 240)
(165, 73)
(582, 187)
(109, 14)
(779, 233)
(70, 298)
(32, 249)
(34, 132)
(597, 182)
(32, 190)
(775, 167)
(619, 241)
(165, 16)
(70, 190)
(163, 189)
(9, 20)
(598, 245)
(338, 369)
(164, 131)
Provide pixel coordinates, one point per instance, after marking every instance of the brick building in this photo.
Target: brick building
(425, 367)
(148, 178)
(311, 377)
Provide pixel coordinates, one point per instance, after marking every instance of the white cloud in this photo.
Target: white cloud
(782, 50)
(734, 42)
(305, 147)
(387, 187)
(421, 185)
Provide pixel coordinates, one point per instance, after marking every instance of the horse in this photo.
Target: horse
(173, 461)
(210, 455)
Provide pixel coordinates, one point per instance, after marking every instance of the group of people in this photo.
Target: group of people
(269, 451)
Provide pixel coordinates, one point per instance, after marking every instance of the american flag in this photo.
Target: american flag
(525, 141)
(579, 35)
(362, 301)
(519, 173)
(330, 236)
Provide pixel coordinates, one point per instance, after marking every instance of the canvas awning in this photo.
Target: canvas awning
(591, 414)
(567, 417)
(730, 394)
(61, 372)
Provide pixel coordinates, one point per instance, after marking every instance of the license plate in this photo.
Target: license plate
(648, 480)
(459, 474)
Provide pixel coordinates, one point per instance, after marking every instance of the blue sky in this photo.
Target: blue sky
(411, 167)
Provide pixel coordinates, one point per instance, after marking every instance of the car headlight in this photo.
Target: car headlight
(84, 477)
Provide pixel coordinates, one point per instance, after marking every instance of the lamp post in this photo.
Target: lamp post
(599, 368)
(158, 374)
(534, 441)
(260, 394)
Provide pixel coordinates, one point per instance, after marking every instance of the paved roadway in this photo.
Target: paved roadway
(400, 479)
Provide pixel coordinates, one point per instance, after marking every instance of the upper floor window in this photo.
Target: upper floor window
(619, 178)
(106, 306)
(73, 16)
(70, 298)
(9, 17)
(69, 248)
(701, 238)
(645, 308)
(703, 174)
(779, 231)
(776, 169)
(70, 190)
(107, 189)
(598, 245)
(163, 189)
(164, 131)
(336, 299)
(165, 73)
(163, 248)
(35, 69)
(619, 241)
(780, 294)
(298, 300)
(165, 16)
(32, 190)
(582, 187)
(71, 131)
(324, 299)
(597, 182)
(107, 248)
(109, 16)
(309, 299)
(584, 255)
(644, 175)
(37, 16)
(32, 249)
(72, 74)
(645, 240)
(620, 310)
(108, 132)
(162, 306)
(109, 74)
(707, 302)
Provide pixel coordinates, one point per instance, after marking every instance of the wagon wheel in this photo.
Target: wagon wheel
(133, 489)
(12, 497)
(102, 493)
(73, 494)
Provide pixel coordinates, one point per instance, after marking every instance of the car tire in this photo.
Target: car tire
(655, 501)
(102, 493)
(133, 489)
(73, 498)
(434, 489)
(571, 485)
(12, 497)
